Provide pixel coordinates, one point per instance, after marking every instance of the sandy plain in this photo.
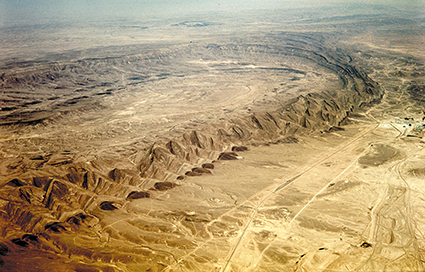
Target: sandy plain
(294, 147)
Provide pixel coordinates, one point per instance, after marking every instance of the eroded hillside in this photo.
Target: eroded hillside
(203, 156)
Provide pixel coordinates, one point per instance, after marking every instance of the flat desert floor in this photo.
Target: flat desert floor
(292, 142)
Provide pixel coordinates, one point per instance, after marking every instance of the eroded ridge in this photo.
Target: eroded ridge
(122, 216)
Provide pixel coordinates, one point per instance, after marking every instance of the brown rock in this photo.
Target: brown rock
(175, 149)
(20, 242)
(55, 227)
(40, 182)
(74, 220)
(228, 156)
(335, 128)
(107, 206)
(163, 186)
(25, 195)
(192, 174)
(77, 219)
(75, 176)
(239, 148)
(201, 170)
(30, 237)
(137, 195)
(15, 183)
(365, 245)
(208, 166)
(3, 249)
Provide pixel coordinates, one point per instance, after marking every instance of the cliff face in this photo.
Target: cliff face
(66, 199)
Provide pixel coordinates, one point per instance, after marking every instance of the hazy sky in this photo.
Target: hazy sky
(35, 11)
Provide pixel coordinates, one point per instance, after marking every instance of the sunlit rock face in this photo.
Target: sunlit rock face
(286, 141)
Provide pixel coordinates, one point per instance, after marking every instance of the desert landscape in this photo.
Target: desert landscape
(285, 139)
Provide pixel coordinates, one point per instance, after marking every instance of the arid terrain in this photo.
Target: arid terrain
(281, 141)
